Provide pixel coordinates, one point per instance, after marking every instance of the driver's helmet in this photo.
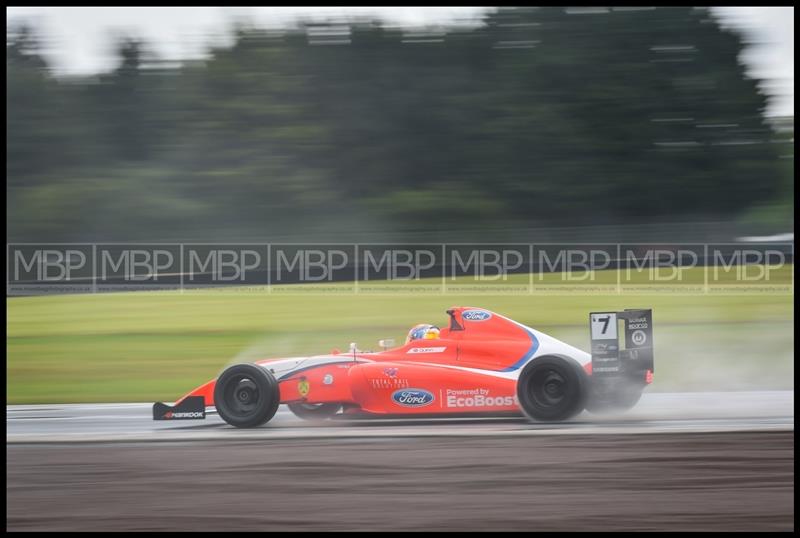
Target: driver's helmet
(422, 331)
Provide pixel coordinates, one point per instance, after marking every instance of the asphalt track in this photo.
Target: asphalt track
(710, 461)
(655, 413)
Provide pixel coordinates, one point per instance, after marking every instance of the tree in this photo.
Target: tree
(536, 117)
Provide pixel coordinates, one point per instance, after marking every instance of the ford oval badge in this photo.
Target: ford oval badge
(412, 397)
(476, 315)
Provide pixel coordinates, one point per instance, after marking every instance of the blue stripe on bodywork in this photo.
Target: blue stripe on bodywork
(528, 354)
(293, 372)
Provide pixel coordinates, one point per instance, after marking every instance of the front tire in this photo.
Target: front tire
(308, 411)
(552, 389)
(246, 395)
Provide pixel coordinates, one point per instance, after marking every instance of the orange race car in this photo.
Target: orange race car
(481, 362)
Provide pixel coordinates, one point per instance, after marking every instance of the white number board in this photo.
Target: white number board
(604, 326)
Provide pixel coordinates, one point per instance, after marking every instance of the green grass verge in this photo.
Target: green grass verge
(146, 346)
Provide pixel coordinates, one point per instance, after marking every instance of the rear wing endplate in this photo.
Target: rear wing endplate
(636, 356)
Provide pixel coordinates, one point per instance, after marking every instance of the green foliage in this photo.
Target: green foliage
(537, 117)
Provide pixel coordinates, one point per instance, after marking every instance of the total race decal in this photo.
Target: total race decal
(413, 397)
(476, 315)
(477, 398)
(427, 349)
(389, 383)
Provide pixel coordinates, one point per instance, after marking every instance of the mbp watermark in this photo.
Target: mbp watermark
(565, 268)
(120, 267)
(505, 268)
(316, 266)
(733, 268)
(652, 268)
(399, 268)
(487, 268)
(206, 265)
(49, 268)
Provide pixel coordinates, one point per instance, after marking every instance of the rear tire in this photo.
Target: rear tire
(552, 389)
(618, 400)
(308, 411)
(246, 395)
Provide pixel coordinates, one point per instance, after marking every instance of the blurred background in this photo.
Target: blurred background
(308, 124)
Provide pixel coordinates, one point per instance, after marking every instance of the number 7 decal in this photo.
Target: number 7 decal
(604, 326)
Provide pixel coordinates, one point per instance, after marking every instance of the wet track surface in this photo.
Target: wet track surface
(686, 462)
(655, 413)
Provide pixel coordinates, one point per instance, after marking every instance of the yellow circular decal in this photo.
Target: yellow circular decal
(302, 388)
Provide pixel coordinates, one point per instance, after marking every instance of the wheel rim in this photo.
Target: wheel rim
(548, 387)
(242, 396)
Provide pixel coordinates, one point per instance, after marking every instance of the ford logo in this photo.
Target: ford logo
(476, 315)
(412, 397)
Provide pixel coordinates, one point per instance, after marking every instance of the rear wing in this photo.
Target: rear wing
(636, 358)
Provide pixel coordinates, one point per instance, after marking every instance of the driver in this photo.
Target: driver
(423, 330)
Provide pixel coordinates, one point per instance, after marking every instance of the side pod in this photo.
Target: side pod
(190, 408)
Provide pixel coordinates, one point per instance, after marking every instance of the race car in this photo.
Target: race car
(481, 362)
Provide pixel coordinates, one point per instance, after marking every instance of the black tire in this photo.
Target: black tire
(309, 411)
(620, 399)
(552, 389)
(246, 395)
